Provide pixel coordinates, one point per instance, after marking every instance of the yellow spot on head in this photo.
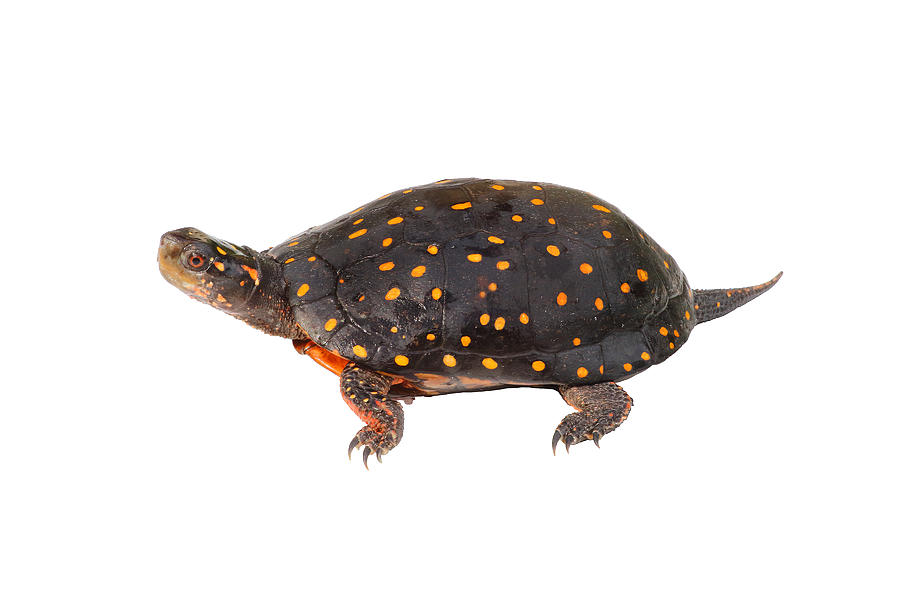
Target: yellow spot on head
(430, 337)
(671, 346)
(465, 340)
(537, 201)
(290, 260)
(490, 363)
(586, 268)
(401, 360)
(642, 275)
(553, 250)
(484, 319)
(358, 221)
(293, 243)
(582, 372)
(449, 360)
(360, 351)
(301, 291)
(220, 251)
(461, 206)
(627, 366)
(500, 323)
(625, 288)
(219, 266)
(517, 218)
(645, 355)
(598, 303)
(497, 187)
(538, 365)
(503, 265)
(220, 297)
(495, 240)
(392, 294)
(432, 249)
(536, 187)
(576, 342)
(561, 298)
(676, 334)
(601, 208)
(387, 242)
(436, 293)
(419, 208)
(418, 271)
(330, 324)
(606, 234)
(395, 221)
(687, 315)
(386, 266)
(663, 331)
(474, 257)
(357, 233)
(523, 319)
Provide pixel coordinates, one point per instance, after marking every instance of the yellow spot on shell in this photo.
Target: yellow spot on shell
(301, 291)
(386, 266)
(358, 221)
(586, 268)
(357, 233)
(474, 258)
(220, 251)
(538, 365)
(606, 234)
(627, 366)
(500, 323)
(601, 369)
(503, 265)
(497, 187)
(461, 206)
(407, 191)
(523, 319)
(666, 263)
(625, 288)
(675, 333)
(432, 249)
(537, 201)
(394, 329)
(311, 259)
(576, 342)
(552, 221)
(387, 242)
(553, 250)
(663, 331)
(492, 286)
(430, 337)
(220, 297)
(449, 360)
(642, 275)
(598, 303)
(401, 360)
(561, 298)
(517, 218)
(671, 346)
(418, 271)
(418, 208)
(219, 266)
(582, 372)
(465, 340)
(601, 208)
(490, 363)
(293, 243)
(290, 260)
(392, 294)
(395, 221)
(495, 240)
(330, 324)
(687, 316)
(436, 293)
(536, 187)
(645, 355)
(484, 319)
(360, 351)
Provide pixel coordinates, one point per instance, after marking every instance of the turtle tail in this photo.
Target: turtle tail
(712, 304)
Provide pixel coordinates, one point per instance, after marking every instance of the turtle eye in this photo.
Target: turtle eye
(195, 260)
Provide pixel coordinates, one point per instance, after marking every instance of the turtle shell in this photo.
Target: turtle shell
(470, 284)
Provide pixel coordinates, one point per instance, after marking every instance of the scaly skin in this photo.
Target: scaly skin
(601, 408)
(366, 393)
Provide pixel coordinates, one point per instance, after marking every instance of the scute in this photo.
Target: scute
(529, 279)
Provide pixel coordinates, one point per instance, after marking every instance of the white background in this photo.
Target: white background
(151, 447)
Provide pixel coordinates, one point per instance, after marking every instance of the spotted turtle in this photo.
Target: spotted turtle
(463, 285)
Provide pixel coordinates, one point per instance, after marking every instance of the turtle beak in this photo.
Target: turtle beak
(169, 258)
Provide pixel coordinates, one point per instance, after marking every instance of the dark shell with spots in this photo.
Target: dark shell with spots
(475, 284)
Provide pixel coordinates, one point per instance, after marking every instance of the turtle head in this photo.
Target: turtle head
(234, 279)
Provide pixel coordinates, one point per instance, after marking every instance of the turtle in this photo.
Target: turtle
(463, 285)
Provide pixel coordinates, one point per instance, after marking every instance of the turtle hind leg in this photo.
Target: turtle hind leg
(601, 408)
(366, 393)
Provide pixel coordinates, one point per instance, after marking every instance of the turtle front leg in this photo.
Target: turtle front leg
(601, 408)
(366, 393)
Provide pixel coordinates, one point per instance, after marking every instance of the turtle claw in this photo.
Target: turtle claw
(556, 437)
(366, 452)
(580, 427)
(597, 435)
(569, 441)
(373, 443)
